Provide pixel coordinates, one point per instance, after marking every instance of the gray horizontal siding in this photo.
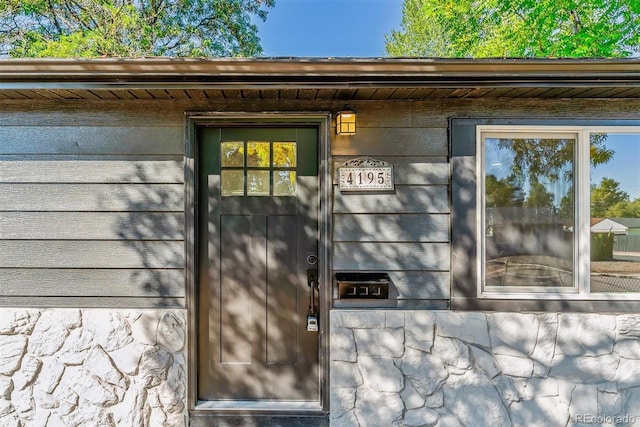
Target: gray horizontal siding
(395, 256)
(92, 197)
(91, 254)
(391, 227)
(91, 208)
(393, 141)
(93, 282)
(91, 171)
(95, 140)
(405, 199)
(92, 225)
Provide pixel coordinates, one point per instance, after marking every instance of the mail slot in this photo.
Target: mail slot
(363, 285)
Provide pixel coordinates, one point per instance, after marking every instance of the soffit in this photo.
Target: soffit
(317, 78)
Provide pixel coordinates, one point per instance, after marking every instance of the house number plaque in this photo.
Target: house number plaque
(365, 174)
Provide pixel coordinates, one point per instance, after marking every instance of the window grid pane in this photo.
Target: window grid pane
(267, 168)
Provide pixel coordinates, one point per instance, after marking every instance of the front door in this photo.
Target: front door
(257, 252)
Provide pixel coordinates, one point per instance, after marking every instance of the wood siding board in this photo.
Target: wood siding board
(408, 170)
(289, 94)
(326, 94)
(125, 302)
(195, 93)
(391, 228)
(91, 171)
(630, 92)
(406, 199)
(90, 254)
(389, 141)
(92, 197)
(92, 226)
(391, 256)
(232, 93)
(307, 94)
(91, 140)
(421, 284)
(390, 114)
(345, 94)
(383, 94)
(402, 93)
(92, 282)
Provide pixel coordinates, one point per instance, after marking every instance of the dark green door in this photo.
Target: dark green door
(257, 242)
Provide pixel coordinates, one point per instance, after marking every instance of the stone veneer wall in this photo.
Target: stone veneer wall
(61, 367)
(424, 368)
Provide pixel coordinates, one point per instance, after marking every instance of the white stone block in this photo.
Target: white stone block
(6, 408)
(345, 375)
(172, 331)
(23, 401)
(435, 400)
(6, 386)
(454, 353)
(18, 321)
(582, 334)
(513, 334)
(421, 417)
(585, 369)
(99, 364)
(485, 362)
(49, 375)
(70, 319)
(377, 409)
(87, 387)
(110, 328)
(471, 328)
(154, 366)
(343, 345)
(346, 420)
(379, 342)
(144, 328)
(475, 401)
(48, 336)
(584, 400)
(515, 366)
(13, 349)
(29, 369)
(76, 347)
(627, 374)
(171, 393)
(628, 348)
(426, 372)
(545, 344)
(127, 359)
(540, 412)
(540, 387)
(342, 401)
(358, 319)
(410, 396)
(394, 319)
(628, 326)
(380, 374)
(609, 403)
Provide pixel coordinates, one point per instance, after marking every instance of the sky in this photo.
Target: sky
(329, 28)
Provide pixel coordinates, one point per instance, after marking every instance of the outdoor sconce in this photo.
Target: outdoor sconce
(346, 122)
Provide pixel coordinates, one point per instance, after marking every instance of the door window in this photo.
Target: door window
(258, 168)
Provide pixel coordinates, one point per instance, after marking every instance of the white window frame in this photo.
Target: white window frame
(581, 280)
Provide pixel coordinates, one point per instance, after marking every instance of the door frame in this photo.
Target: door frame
(194, 120)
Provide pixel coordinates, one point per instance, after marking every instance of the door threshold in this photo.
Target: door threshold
(251, 413)
(269, 406)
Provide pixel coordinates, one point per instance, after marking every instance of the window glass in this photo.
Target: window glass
(258, 154)
(232, 154)
(284, 183)
(615, 212)
(284, 154)
(528, 211)
(232, 182)
(257, 183)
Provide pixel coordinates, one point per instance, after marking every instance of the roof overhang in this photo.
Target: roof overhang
(318, 73)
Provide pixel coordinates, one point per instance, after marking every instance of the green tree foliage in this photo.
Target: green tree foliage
(606, 195)
(624, 209)
(130, 28)
(517, 28)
